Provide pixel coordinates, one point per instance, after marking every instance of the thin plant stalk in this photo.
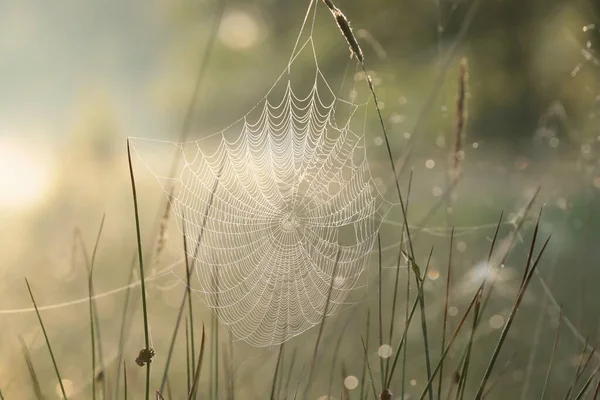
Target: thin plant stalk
(32, 374)
(365, 360)
(194, 389)
(92, 310)
(62, 388)
(554, 347)
(189, 295)
(141, 265)
(509, 321)
(322, 325)
(380, 311)
(275, 375)
(446, 304)
(366, 355)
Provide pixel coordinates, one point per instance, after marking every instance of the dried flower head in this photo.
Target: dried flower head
(344, 24)
(145, 357)
(386, 395)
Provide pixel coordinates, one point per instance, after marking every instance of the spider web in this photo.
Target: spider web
(279, 210)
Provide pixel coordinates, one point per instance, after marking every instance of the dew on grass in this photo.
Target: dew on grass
(385, 351)
(496, 321)
(67, 385)
(351, 382)
(433, 274)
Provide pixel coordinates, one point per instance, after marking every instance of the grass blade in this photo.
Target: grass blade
(462, 384)
(125, 380)
(322, 325)
(369, 368)
(380, 310)
(335, 355)
(94, 324)
(446, 303)
(554, 347)
(62, 388)
(198, 366)
(147, 350)
(421, 296)
(274, 384)
(500, 375)
(34, 379)
(188, 374)
(365, 360)
(288, 377)
(587, 384)
(508, 324)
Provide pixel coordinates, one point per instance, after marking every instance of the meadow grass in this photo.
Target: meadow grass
(442, 382)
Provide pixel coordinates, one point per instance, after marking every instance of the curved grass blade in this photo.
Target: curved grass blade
(62, 388)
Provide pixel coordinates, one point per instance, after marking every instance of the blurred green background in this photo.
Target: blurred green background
(79, 77)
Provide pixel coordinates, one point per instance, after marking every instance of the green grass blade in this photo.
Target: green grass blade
(194, 389)
(345, 392)
(581, 366)
(421, 296)
(446, 304)
(449, 345)
(380, 309)
(554, 347)
(188, 374)
(508, 323)
(397, 278)
(141, 265)
(275, 375)
(500, 375)
(596, 391)
(365, 360)
(335, 355)
(123, 326)
(125, 381)
(32, 374)
(366, 355)
(188, 272)
(322, 325)
(587, 384)
(288, 376)
(94, 323)
(462, 384)
(298, 382)
(172, 342)
(402, 341)
(62, 388)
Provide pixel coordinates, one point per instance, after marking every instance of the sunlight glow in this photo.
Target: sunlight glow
(24, 175)
(239, 30)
